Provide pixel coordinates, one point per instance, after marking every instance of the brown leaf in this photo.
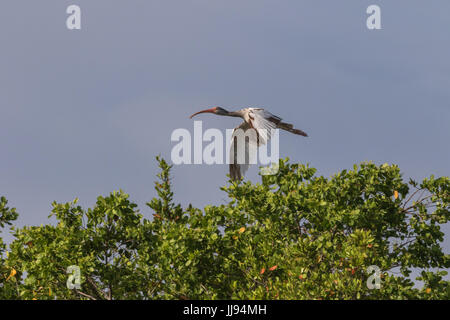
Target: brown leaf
(157, 216)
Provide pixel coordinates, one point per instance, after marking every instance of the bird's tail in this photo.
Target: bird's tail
(289, 127)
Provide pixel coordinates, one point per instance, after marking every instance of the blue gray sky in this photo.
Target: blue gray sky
(85, 112)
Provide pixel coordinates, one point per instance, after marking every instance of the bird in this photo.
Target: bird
(259, 119)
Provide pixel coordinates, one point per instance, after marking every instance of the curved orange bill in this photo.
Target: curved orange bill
(203, 111)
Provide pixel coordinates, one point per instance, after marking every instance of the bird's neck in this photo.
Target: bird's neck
(234, 114)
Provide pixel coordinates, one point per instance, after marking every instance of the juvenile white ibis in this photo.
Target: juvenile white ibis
(259, 119)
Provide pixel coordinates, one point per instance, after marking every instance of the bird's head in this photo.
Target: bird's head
(216, 110)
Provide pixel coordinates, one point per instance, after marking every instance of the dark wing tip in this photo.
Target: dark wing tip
(300, 132)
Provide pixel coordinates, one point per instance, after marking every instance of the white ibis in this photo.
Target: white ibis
(254, 118)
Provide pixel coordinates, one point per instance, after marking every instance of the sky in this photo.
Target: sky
(85, 112)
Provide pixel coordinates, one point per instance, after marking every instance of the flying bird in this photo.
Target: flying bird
(262, 121)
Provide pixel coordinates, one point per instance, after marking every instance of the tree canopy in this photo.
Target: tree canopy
(295, 235)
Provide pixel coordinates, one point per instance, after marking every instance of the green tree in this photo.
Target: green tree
(295, 235)
(8, 281)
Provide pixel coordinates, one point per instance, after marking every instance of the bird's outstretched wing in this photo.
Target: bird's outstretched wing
(263, 119)
(242, 150)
